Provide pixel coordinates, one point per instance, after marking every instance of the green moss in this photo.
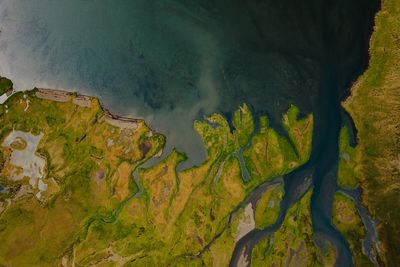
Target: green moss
(300, 132)
(264, 122)
(182, 218)
(268, 206)
(260, 252)
(75, 149)
(347, 220)
(216, 189)
(216, 135)
(244, 125)
(293, 242)
(374, 109)
(347, 177)
(268, 156)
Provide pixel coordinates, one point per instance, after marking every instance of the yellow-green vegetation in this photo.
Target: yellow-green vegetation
(268, 206)
(5, 85)
(261, 251)
(88, 165)
(184, 218)
(374, 106)
(292, 244)
(347, 220)
(220, 251)
(87, 210)
(348, 162)
(300, 132)
(244, 125)
(179, 214)
(272, 155)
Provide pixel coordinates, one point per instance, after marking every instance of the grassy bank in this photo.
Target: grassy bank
(88, 213)
(374, 106)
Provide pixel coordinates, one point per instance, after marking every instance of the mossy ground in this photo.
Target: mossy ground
(347, 220)
(292, 244)
(374, 107)
(271, 155)
(81, 166)
(268, 206)
(191, 217)
(348, 162)
(182, 218)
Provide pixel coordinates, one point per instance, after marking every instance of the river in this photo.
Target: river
(171, 62)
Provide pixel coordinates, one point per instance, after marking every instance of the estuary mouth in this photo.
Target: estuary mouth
(276, 71)
(172, 63)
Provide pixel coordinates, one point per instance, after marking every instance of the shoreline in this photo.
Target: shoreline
(79, 99)
(82, 100)
(85, 101)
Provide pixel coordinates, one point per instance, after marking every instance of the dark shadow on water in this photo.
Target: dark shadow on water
(171, 62)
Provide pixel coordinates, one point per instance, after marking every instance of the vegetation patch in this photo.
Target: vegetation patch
(5, 85)
(91, 211)
(374, 108)
(293, 244)
(347, 220)
(268, 206)
(348, 162)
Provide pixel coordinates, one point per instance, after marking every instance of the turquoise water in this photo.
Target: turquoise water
(171, 62)
(166, 61)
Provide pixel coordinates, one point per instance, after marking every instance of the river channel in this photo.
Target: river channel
(171, 62)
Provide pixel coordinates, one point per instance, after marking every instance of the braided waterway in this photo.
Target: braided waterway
(171, 62)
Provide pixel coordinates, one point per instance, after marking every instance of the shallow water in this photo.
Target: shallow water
(172, 61)
(32, 165)
(168, 61)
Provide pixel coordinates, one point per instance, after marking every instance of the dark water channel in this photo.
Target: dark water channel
(171, 62)
(329, 117)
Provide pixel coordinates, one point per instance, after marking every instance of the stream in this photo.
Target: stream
(371, 238)
(171, 62)
(322, 166)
